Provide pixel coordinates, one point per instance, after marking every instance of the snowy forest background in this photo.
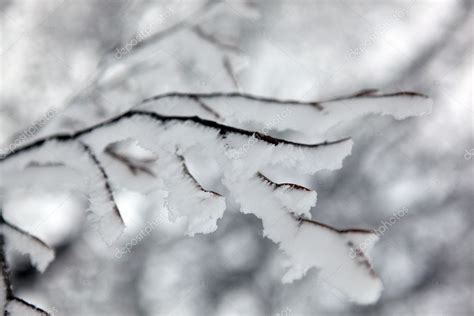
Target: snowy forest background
(67, 64)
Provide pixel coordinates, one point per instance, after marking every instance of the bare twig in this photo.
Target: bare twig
(340, 231)
(21, 231)
(133, 166)
(230, 71)
(207, 107)
(267, 100)
(214, 40)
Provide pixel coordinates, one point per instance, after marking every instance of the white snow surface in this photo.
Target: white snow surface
(15, 240)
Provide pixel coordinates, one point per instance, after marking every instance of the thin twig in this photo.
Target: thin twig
(340, 231)
(267, 100)
(230, 71)
(278, 185)
(9, 296)
(189, 174)
(5, 270)
(207, 107)
(104, 175)
(214, 40)
(133, 167)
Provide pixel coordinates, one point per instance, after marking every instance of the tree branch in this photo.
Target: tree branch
(223, 129)
(278, 185)
(267, 100)
(7, 286)
(21, 231)
(301, 219)
(340, 231)
(189, 174)
(214, 40)
(38, 310)
(132, 166)
(206, 107)
(5, 270)
(104, 175)
(230, 71)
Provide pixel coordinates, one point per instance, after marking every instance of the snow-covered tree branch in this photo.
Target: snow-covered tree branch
(154, 147)
(232, 158)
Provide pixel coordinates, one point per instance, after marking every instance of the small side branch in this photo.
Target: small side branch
(25, 304)
(105, 177)
(9, 298)
(303, 220)
(230, 71)
(279, 185)
(214, 40)
(193, 179)
(206, 107)
(361, 258)
(5, 271)
(22, 232)
(133, 166)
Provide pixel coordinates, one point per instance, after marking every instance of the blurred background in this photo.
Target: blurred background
(67, 64)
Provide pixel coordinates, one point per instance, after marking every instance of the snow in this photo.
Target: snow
(236, 136)
(187, 199)
(17, 307)
(17, 240)
(91, 180)
(201, 209)
(306, 244)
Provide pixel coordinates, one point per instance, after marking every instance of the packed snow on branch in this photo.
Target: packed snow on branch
(159, 146)
(14, 239)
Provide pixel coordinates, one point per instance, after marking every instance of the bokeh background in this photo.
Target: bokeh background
(67, 64)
